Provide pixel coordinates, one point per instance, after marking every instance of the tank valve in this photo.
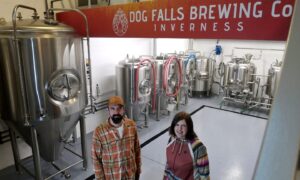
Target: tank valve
(35, 16)
(19, 16)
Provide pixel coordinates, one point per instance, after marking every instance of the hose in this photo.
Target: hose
(165, 76)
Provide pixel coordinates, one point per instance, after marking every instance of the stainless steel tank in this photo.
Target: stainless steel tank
(134, 85)
(239, 75)
(273, 79)
(53, 72)
(203, 76)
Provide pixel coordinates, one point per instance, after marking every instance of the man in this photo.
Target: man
(116, 150)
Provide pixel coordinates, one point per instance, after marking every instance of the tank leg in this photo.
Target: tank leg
(186, 98)
(83, 142)
(36, 154)
(158, 108)
(15, 149)
(222, 103)
(177, 101)
(74, 135)
(146, 116)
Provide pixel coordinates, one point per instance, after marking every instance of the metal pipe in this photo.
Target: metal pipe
(211, 72)
(259, 49)
(88, 47)
(158, 105)
(258, 85)
(27, 171)
(15, 149)
(259, 75)
(146, 114)
(263, 49)
(131, 81)
(83, 142)
(178, 97)
(260, 103)
(51, 6)
(20, 67)
(71, 151)
(74, 135)
(63, 172)
(46, 5)
(63, 169)
(36, 154)
(229, 99)
(131, 87)
(53, 1)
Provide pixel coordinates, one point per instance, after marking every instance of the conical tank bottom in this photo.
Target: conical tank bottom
(51, 135)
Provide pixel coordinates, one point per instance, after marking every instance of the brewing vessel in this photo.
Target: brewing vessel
(43, 82)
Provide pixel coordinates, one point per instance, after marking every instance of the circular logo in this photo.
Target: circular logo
(120, 23)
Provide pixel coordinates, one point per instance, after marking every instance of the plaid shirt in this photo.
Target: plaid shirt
(114, 157)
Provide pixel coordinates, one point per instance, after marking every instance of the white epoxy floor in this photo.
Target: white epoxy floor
(232, 139)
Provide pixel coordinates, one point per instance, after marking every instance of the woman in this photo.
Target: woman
(187, 157)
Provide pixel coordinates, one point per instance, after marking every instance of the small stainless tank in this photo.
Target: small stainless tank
(238, 73)
(203, 76)
(273, 79)
(51, 58)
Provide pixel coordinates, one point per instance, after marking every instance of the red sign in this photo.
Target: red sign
(205, 19)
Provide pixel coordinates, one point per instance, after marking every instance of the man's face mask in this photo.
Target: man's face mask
(117, 118)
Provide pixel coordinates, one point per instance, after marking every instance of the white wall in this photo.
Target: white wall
(106, 53)
(7, 7)
(168, 45)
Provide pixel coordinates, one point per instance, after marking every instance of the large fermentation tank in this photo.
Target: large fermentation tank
(134, 85)
(239, 76)
(53, 75)
(273, 79)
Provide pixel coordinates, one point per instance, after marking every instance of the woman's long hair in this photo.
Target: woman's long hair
(190, 135)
